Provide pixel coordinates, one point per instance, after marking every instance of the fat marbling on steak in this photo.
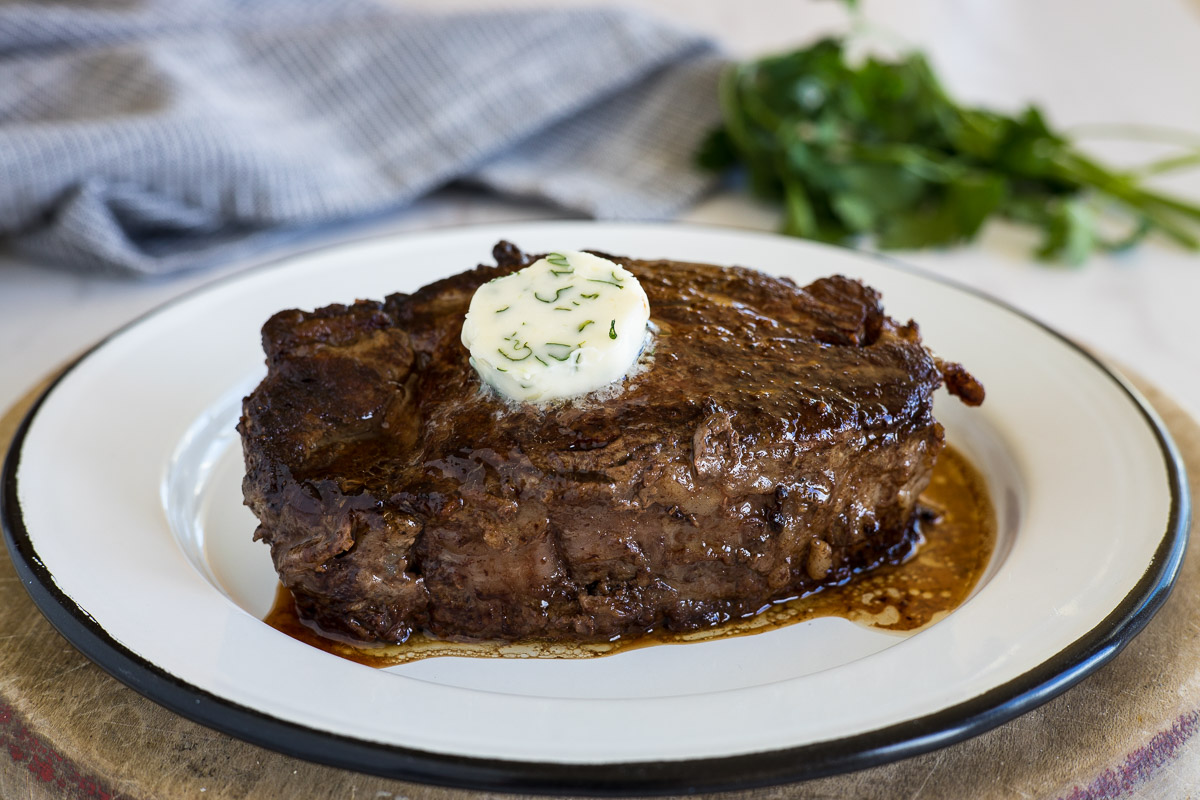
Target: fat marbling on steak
(776, 441)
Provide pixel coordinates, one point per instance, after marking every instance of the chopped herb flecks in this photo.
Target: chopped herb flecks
(614, 282)
(528, 353)
(584, 325)
(612, 330)
(564, 356)
(560, 261)
(554, 299)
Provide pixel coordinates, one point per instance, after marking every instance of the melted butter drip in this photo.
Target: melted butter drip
(958, 540)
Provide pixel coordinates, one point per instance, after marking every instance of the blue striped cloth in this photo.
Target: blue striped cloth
(156, 136)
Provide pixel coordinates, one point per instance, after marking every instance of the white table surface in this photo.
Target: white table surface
(1082, 61)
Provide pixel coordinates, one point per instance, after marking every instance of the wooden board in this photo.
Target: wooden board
(68, 730)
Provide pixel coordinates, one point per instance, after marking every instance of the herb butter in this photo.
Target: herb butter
(566, 325)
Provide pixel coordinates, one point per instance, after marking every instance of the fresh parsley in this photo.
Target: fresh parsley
(881, 150)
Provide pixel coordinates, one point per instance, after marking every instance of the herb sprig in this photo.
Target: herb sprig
(880, 149)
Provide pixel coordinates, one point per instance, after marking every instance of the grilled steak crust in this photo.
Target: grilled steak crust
(775, 442)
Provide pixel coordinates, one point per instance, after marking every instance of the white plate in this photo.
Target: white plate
(122, 510)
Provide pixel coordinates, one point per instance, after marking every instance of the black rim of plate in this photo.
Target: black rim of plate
(909, 738)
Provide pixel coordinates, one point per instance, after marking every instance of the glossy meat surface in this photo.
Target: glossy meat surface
(775, 440)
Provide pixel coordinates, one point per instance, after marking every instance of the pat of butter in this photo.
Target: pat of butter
(564, 326)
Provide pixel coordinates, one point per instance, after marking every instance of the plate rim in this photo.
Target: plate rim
(911, 737)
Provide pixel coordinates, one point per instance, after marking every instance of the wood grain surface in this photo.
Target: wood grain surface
(68, 730)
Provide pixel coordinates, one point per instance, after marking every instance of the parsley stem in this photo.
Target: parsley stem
(1171, 164)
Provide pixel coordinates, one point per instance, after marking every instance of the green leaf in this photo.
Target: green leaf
(978, 134)
(974, 199)
(1071, 233)
(855, 212)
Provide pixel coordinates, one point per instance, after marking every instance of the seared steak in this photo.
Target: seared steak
(775, 441)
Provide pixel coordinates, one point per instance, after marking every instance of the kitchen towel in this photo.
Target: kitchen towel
(151, 136)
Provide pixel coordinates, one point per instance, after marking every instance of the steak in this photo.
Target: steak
(774, 441)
